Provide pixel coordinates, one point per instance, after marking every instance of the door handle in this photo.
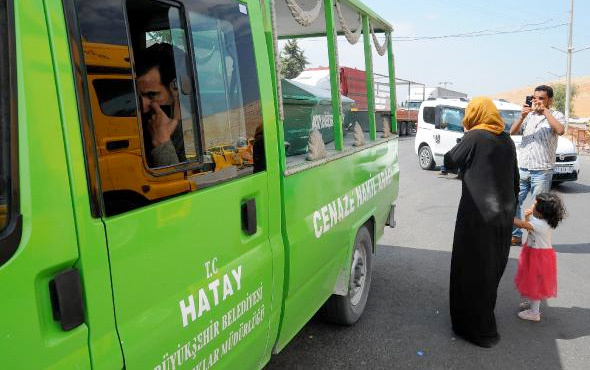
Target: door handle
(66, 299)
(249, 217)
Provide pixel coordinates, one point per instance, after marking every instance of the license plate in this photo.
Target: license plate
(562, 169)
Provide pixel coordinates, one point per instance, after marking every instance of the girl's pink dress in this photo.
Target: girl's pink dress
(536, 277)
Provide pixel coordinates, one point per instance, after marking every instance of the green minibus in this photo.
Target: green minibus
(127, 239)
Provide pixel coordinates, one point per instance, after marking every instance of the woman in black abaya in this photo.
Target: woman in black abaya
(487, 157)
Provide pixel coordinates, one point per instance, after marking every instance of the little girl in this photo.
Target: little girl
(536, 278)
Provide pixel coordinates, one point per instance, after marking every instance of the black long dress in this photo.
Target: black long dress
(482, 231)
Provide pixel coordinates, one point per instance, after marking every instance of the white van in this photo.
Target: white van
(440, 128)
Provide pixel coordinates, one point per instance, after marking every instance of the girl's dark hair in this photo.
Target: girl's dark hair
(551, 208)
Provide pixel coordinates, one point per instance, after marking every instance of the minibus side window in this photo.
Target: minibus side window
(10, 218)
(228, 82)
(169, 98)
(4, 122)
(163, 82)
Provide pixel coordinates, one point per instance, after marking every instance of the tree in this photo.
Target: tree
(293, 61)
(559, 97)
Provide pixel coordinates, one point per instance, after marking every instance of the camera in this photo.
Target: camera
(529, 101)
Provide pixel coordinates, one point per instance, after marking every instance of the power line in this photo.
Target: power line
(498, 29)
(482, 33)
(486, 32)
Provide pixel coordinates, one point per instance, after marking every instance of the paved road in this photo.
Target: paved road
(406, 324)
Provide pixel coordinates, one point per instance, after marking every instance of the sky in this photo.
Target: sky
(475, 65)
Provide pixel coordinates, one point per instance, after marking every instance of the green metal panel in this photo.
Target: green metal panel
(334, 73)
(319, 248)
(31, 338)
(266, 22)
(369, 76)
(275, 164)
(93, 263)
(392, 99)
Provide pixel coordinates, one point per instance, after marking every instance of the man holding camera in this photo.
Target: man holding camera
(540, 127)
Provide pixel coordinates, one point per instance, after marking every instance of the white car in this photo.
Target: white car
(440, 128)
(566, 166)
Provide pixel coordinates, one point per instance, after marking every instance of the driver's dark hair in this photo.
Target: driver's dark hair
(551, 208)
(160, 56)
(547, 89)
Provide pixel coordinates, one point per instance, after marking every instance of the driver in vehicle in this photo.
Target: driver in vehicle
(160, 107)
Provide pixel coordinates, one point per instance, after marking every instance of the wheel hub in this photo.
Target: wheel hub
(358, 274)
(424, 158)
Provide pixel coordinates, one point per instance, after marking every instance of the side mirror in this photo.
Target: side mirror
(444, 125)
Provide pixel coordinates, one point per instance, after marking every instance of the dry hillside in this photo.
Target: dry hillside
(581, 103)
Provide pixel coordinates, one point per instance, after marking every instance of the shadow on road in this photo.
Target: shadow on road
(572, 188)
(406, 325)
(572, 248)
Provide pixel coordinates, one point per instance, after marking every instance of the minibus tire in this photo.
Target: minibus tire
(347, 309)
(425, 158)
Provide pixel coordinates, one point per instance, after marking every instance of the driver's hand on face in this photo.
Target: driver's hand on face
(160, 125)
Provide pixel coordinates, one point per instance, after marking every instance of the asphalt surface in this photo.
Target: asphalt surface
(406, 323)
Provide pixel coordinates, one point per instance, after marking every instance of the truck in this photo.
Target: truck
(407, 116)
(420, 93)
(353, 85)
(213, 258)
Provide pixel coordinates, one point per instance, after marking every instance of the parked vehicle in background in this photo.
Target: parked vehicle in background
(407, 116)
(567, 166)
(353, 85)
(440, 128)
(420, 93)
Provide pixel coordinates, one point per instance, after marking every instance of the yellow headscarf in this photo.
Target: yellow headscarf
(481, 114)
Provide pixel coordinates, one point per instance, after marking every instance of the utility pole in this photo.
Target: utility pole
(568, 78)
(570, 51)
(445, 83)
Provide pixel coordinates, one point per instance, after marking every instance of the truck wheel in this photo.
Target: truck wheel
(403, 129)
(348, 309)
(425, 158)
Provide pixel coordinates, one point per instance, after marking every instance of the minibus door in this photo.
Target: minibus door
(192, 268)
